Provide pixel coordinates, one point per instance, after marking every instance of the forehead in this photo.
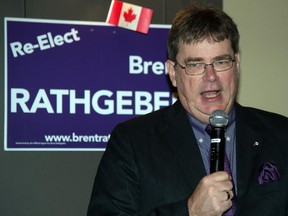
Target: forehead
(205, 49)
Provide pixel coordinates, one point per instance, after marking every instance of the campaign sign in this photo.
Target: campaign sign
(68, 83)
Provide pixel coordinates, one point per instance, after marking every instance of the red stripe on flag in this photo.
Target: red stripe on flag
(115, 12)
(144, 20)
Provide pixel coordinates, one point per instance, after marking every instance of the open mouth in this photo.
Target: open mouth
(210, 94)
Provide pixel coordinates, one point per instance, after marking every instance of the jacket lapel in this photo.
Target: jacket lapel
(248, 147)
(181, 140)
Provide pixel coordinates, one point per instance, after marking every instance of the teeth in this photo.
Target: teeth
(211, 94)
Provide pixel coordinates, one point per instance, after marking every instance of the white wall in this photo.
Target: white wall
(263, 27)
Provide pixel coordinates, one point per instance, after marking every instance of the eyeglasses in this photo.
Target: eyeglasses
(198, 68)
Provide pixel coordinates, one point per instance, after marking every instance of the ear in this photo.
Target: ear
(171, 71)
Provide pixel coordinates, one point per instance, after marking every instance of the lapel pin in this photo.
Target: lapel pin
(255, 143)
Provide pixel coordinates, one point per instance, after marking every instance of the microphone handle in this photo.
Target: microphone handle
(217, 151)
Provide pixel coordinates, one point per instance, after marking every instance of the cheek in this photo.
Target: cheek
(188, 88)
(232, 84)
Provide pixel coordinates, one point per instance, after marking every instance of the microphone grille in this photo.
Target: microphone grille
(218, 118)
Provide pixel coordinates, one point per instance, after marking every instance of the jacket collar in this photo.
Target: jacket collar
(249, 144)
(181, 139)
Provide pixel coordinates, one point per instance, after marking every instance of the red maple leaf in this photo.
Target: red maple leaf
(129, 16)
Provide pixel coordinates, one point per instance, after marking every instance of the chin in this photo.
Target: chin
(211, 109)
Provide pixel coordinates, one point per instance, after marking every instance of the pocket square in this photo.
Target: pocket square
(268, 173)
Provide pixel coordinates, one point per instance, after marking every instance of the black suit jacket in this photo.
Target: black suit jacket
(152, 164)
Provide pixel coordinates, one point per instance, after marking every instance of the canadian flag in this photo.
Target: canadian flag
(129, 16)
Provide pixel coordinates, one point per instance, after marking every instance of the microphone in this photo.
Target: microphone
(218, 120)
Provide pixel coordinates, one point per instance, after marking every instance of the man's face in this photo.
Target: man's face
(202, 94)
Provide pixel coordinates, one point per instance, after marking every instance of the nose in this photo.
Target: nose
(210, 73)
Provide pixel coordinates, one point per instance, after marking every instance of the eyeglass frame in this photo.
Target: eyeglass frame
(205, 65)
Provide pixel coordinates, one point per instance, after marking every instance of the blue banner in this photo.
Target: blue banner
(68, 83)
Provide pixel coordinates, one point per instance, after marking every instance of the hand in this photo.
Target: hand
(212, 195)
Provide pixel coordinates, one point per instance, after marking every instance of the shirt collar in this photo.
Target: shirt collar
(200, 126)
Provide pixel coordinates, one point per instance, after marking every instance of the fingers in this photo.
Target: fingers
(220, 176)
(223, 184)
(212, 195)
(220, 180)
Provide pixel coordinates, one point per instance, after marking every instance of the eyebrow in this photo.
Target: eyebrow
(225, 56)
(199, 59)
(193, 59)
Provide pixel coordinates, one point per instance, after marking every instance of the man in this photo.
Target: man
(158, 164)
